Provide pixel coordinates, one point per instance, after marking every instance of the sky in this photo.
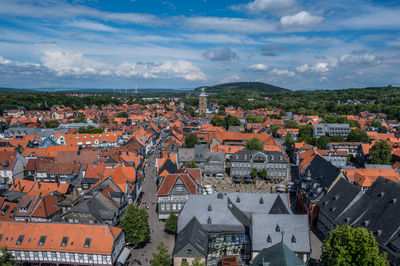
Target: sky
(294, 44)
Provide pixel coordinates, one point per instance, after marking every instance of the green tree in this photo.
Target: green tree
(162, 258)
(185, 263)
(337, 138)
(104, 120)
(217, 121)
(289, 143)
(253, 119)
(375, 123)
(221, 110)
(80, 119)
(52, 124)
(191, 112)
(322, 142)
(135, 224)
(190, 140)
(231, 121)
(357, 135)
(6, 259)
(198, 262)
(254, 172)
(380, 153)
(95, 120)
(351, 246)
(382, 129)
(123, 115)
(191, 164)
(254, 144)
(291, 124)
(274, 129)
(171, 223)
(305, 133)
(264, 173)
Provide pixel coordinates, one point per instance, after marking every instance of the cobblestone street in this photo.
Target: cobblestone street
(157, 227)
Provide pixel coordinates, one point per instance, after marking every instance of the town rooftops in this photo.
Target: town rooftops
(74, 238)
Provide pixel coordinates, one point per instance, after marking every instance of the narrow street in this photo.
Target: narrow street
(157, 227)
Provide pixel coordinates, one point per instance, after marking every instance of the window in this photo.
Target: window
(87, 242)
(168, 207)
(64, 241)
(163, 207)
(179, 188)
(174, 207)
(20, 239)
(42, 240)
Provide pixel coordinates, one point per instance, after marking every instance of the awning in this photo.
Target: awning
(124, 256)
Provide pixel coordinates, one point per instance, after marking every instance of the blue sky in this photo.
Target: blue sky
(183, 44)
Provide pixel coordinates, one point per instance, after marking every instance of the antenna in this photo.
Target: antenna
(136, 90)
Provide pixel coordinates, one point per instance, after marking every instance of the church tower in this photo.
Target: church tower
(202, 102)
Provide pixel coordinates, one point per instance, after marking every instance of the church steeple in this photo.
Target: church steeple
(202, 102)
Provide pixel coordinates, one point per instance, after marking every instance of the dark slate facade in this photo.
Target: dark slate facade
(275, 162)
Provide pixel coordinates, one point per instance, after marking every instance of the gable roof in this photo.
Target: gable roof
(277, 255)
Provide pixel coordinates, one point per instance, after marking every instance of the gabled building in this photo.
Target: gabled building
(331, 130)
(175, 189)
(55, 243)
(377, 210)
(238, 225)
(275, 162)
(316, 179)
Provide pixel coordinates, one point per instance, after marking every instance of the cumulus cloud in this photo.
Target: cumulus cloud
(269, 5)
(284, 72)
(300, 20)
(258, 67)
(319, 67)
(220, 54)
(76, 64)
(93, 26)
(358, 59)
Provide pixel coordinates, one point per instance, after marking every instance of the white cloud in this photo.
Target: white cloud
(323, 79)
(241, 25)
(301, 19)
(89, 25)
(269, 5)
(284, 72)
(320, 67)
(258, 67)
(64, 63)
(358, 59)
(302, 68)
(231, 78)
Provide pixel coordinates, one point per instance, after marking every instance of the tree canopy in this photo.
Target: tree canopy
(375, 123)
(7, 259)
(254, 119)
(162, 258)
(357, 135)
(291, 124)
(351, 246)
(80, 119)
(135, 224)
(52, 124)
(254, 172)
(264, 173)
(380, 153)
(289, 143)
(190, 140)
(90, 130)
(171, 223)
(123, 115)
(305, 133)
(191, 164)
(254, 144)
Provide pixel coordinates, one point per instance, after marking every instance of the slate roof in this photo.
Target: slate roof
(169, 166)
(295, 227)
(340, 197)
(323, 173)
(221, 214)
(277, 255)
(192, 235)
(377, 210)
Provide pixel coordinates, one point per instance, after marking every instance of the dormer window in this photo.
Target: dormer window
(238, 200)
(261, 201)
(269, 239)
(64, 241)
(209, 208)
(209, 220)
(277, 228)
(293, 239)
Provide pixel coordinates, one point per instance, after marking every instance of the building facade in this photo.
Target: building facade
(275, 162)
(202, 102)
(331, 130)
